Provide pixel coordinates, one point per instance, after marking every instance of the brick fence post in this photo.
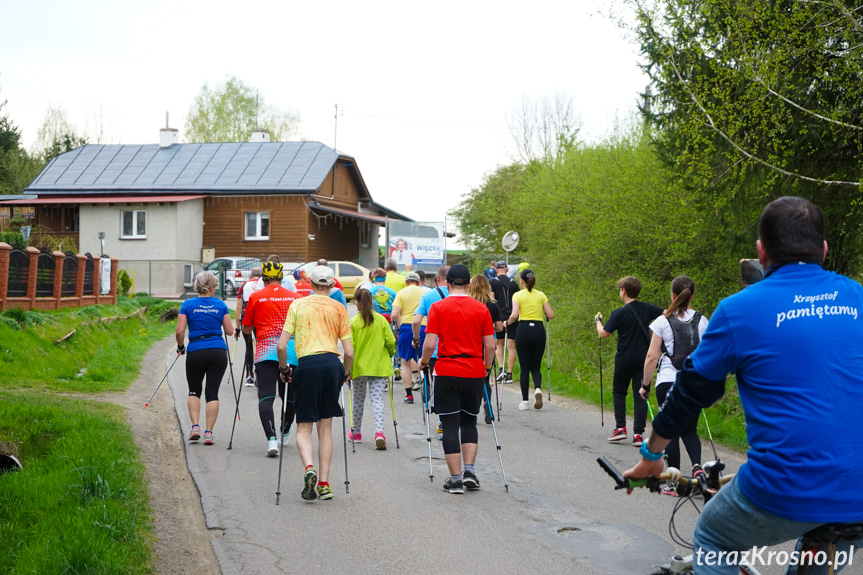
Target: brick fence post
(97, 273)
(58, 277)
(79, 281)
(4, 273)
(115, 269)
(33, 253)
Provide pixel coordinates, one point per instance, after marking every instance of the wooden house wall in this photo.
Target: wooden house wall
(336, 237)
(345, 193)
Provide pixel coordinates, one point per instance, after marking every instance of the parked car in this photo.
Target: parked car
(236, 271)
(349, 274)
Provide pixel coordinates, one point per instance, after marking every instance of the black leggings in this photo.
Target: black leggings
(206, 362)
(268, 381)
(530, 345)
(689, 435)
(250, 354)
(628, 371)
(467, 425)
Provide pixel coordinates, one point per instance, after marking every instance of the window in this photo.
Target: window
(70, 215)
(133, 224)
(365, 234)
(257, 225)
(350, 270)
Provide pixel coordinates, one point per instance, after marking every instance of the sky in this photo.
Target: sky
(424, 91)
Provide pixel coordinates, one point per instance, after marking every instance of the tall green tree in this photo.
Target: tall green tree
(56, 135)
(230, 111)
(17, 167)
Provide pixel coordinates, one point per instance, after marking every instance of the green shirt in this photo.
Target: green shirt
(374, 346)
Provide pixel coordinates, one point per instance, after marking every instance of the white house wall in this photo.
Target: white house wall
(174, 238)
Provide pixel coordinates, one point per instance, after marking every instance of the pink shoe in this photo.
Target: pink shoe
(355, 437)
(380, 441)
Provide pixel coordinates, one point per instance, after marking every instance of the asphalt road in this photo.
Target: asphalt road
(561, 514)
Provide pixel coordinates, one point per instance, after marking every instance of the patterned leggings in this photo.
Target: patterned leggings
(377, 389)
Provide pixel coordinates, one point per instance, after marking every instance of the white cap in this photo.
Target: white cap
(322, 275)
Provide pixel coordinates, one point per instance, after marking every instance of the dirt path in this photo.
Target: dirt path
(182, 540)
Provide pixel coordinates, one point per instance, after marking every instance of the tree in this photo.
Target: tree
(229, 112)
(17, 167)
(542, 128)
(755, 100)
(56, 135)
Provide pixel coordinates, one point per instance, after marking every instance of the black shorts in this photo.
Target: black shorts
(508, 330)
(457, 394)
(317, 383)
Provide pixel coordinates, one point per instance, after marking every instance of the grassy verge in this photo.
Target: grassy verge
(80, 503)
(725, 418)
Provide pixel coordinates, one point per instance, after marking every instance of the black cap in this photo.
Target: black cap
(458, 275)
(502, 265)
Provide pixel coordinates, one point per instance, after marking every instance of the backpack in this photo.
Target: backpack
(686, 339)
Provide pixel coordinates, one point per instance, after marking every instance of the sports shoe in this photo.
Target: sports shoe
(537, 399)
(618, 435)
(355, 437)
(285, 436)
(508, 377)
(451, 486)
(670, 489)
(380, 441)
(501, 377)
(416, 385)
(195, 434)
(637, 440)
(398, 374)
(470, 481)
(208, 439)
(488, 417)
(523, 406)
(439, 427)
(272, 447)
(250, 382)
(324, 492)
(409, 399)
(310, 479)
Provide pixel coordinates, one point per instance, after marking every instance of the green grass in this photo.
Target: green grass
(725, 418)
(99, 357)
(80, 503)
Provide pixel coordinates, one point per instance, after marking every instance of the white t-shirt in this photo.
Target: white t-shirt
(251, 287)
(287, 283)
(662, 328)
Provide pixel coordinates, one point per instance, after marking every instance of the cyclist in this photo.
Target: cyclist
(793, 341)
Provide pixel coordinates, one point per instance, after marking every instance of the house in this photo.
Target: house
(164, 209)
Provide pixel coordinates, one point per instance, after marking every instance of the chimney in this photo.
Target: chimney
(168, 137)
(260, 135)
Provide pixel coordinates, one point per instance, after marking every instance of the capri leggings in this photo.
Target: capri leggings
(211, 363)
(689, 435)
(269, 383)
(530, 346)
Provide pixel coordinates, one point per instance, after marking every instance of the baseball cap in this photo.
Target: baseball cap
(458, 275)
(502, 265)
(272, 271)
(322, 275)
(412, 277)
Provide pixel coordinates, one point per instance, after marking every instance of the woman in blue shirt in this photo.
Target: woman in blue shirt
(206, 317)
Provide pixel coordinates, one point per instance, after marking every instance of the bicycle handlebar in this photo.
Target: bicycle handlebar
(655, 483)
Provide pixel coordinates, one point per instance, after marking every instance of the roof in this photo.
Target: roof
(79, 200)
(351, 213)
(236, 168)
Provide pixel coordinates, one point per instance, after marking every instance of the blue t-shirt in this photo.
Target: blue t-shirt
(794, 342)
(204, 316)
(382, 298)
(426, 302)
(339, 296)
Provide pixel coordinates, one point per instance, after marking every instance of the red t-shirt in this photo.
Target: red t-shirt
(460, 322)
(266, 312)
(303, 288)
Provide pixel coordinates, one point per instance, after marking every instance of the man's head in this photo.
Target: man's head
(322, 262)
(322, 279)
(631, 285)
(391, 266)
(255, 273)
(440, 276)
(409, 267)
(422, 276)
(502, 268)
(272, 272)
(412, 278)
(458, 278)
(274, 258)
(791, 229)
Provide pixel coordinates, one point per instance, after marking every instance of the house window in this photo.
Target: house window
(257, 225)
(71, 219)
(365, 234)
(133, 224)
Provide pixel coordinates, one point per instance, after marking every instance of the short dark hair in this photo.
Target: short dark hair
(792, 229)
(631, 284)
(422, 276)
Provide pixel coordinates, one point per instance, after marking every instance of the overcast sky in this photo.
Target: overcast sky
(425, 89)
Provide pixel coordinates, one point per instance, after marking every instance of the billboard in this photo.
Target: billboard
(417, 243)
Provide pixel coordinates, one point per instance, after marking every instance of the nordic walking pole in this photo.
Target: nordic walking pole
(428, 423)
(497, 443)
(231, 369)
(548, 356)
(393, 409)
(236, 414)
(710, 435)
(601, 403)
(234, 352)
(351, 411)
(496, 396)
(282, 450)
(345, 438)
(163, 379)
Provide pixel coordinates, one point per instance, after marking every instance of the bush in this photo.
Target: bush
(9, 322)
(12, 238)
(124, 283)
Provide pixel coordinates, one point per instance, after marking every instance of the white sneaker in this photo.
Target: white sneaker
(272, 447)
(285, 437)
(250, 382)
(537, 399)
(523, 406)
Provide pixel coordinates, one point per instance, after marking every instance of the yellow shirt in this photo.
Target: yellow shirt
(318, 322)
(395, 281)
(409, 300)
(530, 304)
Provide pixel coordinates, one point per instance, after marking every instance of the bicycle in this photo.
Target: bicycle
(807, 551)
